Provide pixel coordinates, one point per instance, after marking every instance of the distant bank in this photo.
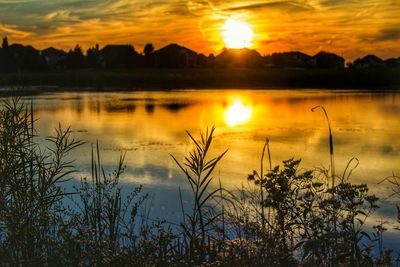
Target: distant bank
(205, 78)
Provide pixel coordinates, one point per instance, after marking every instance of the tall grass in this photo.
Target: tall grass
(30, 191)
(198, 171)
(394, 180)
(332, 165)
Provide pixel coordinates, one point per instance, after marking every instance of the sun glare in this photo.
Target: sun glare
(237, 113)
(237, 34)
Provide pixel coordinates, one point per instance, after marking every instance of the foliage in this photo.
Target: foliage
(198, 171)
(75, 58)
(30, 192)
(100, 225)
(148, 49)
(93, 57)
(394, 180)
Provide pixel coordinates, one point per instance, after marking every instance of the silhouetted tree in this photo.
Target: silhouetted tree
(75, 58)
(119, 56)
(4, 45)
(92, 57)
(7, 64)
(148, 49)
(148, 59)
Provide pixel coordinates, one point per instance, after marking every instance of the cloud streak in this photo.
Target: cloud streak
(292, 6)
(389, 34)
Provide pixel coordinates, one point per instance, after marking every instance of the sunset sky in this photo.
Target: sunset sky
(350, 28)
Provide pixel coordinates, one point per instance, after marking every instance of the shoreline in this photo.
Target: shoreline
(38, 90)
(197, 79)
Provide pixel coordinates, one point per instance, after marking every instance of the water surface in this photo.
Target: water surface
(151, 125)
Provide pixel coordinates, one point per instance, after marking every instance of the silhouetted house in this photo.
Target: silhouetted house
(175, 56)
(119, 56)
(244, 57)
(289, 60)
(211, 60)
(369, 61)
(326, 60)
(392, 62)
(20, 57)
(55, 58)
(201, 61)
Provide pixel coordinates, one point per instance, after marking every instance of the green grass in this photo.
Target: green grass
(151, 79)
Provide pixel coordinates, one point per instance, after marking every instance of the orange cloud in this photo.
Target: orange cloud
(348, 28)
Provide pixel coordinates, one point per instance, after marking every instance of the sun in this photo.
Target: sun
(237, 34)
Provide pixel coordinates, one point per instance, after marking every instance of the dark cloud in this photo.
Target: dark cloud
(389, 34)
(336, 3)
(45, 14)
(49, 14)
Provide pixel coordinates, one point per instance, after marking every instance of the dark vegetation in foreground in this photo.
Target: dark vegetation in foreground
(174, 66)
(287, 216)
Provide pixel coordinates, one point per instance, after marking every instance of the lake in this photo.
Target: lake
(150, 126)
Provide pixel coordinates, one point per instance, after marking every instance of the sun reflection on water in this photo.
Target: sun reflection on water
(237, 113)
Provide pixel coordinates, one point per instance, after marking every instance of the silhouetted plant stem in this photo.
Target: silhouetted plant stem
(332, 163)
(330, 146)
(270, 169)
(222, 212)
(262, 185)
